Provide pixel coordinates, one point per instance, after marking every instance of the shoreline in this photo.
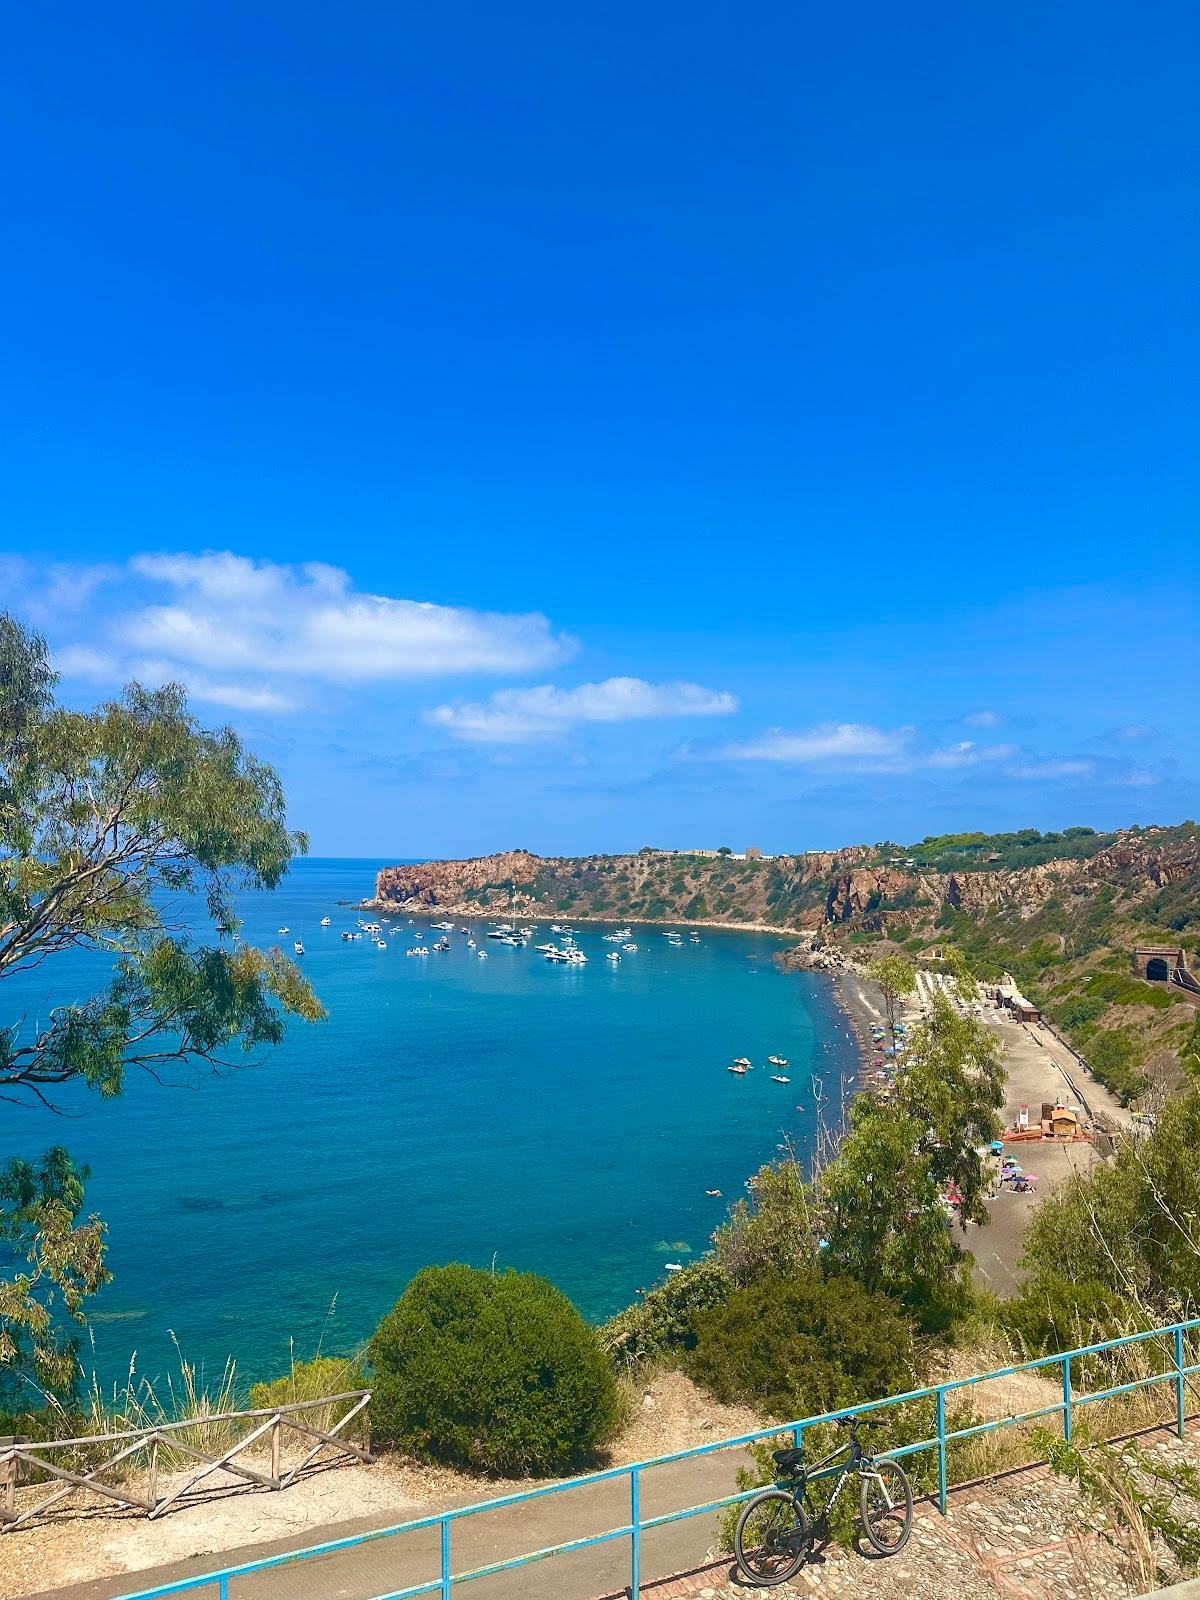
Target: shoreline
(849, 989)
(396, 908)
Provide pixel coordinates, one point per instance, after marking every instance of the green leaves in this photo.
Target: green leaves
(58, 1262)
(499, 1373)
(107, 818)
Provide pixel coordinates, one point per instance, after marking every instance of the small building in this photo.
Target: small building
(1064, 1122)
(753, 853)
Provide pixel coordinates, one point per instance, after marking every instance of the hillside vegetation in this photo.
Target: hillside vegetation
(1060, 911)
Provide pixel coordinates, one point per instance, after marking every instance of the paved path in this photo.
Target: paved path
(1038, 1069)
(385, 1565)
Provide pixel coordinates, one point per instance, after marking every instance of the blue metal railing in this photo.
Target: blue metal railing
(1177, 1372)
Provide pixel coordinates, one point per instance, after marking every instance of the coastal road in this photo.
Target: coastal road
(1038, 1069)
(385, 1565)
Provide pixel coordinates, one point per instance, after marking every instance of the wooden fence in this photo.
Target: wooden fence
(133, 1462)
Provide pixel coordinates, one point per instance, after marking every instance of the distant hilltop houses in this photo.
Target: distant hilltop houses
(750, 853)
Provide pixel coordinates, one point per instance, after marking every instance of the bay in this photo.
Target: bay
(561, 1120)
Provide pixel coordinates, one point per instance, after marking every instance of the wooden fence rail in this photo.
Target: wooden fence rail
(163, 1444)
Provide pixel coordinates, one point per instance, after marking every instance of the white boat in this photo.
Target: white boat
(777, 1061)
(743, 1061)
(442, 944)
(576, 958)
(777, 1077)
(346, 934)
(556, 955)
(298, 947)
(612, 956)
(482, 954)
(630, 947)
(695, 938)
(470, 944)
(381, 944)
(738, 1069)
(285, 928)
(674, 1266)
(447, 927)
(325, 921)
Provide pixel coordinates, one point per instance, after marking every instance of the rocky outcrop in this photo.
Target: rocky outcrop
(827, 891)
(451, 885)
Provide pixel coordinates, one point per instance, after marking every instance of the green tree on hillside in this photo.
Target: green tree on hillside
(883, 1192)
(897, 979)
(108, 818)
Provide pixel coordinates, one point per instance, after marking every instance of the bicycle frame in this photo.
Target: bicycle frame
(858, 1463)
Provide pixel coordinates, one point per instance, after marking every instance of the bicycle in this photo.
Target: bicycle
(781, 1526)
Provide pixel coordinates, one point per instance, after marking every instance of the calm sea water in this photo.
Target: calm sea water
(565, 1121)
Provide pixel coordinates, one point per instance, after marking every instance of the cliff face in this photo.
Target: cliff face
(822, 892)
(448, 884)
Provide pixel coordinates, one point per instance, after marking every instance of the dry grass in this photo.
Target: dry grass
(1024, 1392)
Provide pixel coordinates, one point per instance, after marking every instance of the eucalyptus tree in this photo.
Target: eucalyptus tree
(114, 824)
(897, 979)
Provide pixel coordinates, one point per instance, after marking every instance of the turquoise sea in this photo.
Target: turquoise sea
(566, 1121)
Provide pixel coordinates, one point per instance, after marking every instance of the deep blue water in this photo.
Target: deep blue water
(559, 1120)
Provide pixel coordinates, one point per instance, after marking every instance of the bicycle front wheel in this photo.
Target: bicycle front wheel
(771, 1537)
(886, 1502)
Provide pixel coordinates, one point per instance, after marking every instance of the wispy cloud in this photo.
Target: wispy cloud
(249, 634)
(519, 716)
(1042, 771)
(827, 742)
(968, 754)
(983, 719)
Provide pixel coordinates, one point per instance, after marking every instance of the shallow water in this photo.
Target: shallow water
(558, 1120)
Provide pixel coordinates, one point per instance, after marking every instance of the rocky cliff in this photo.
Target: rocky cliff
(822, 892)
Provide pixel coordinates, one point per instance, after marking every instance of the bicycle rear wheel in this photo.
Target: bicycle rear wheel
(886, 1502)
(771, 1538)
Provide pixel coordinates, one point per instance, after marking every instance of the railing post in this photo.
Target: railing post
(223, 1589)
(1179, 1385)
(941, 1449)
(152, 1454)
(276, 1429)
(8, 1486)
(1066, 1388)
(445, 1525)
(635, 1519)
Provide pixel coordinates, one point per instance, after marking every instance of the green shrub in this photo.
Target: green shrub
(799, 1346)
(308, 1380)
(497, 1373)
(663, 1322)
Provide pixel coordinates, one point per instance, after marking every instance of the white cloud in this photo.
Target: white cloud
(968, 754)
(853, 742)
(249, 634)
(1044, 770)
(306, 621)
(983, 719)
(514, 716)
(82, 661)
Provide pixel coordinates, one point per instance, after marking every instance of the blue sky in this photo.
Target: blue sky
(589, 427)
